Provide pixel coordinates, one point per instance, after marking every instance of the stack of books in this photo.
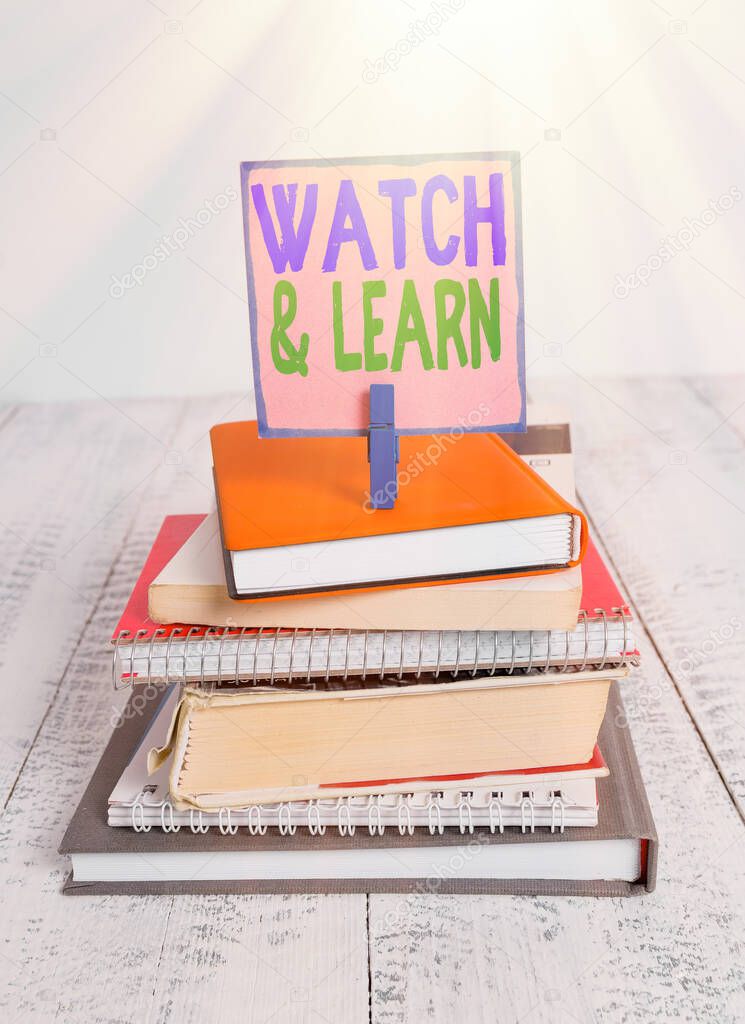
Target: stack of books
(327, 698)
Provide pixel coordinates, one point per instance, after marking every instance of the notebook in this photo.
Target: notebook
(603, 636)
(556, 798)
(191, 585)
(229, 749)
(294, 518)
(618, 857)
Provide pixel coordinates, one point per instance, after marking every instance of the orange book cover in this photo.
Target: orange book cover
(276, 492)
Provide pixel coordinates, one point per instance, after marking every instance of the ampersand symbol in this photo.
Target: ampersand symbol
(286, 357)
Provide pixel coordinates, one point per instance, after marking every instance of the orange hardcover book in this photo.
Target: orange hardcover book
(296, 518)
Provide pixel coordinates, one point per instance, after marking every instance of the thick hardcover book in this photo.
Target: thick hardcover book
(625, 841)
(294, 516)
(559, 797)
(236, 747)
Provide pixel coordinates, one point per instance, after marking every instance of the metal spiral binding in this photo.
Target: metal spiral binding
(557, 802)
(601, 611)
(208, 634)
(314, 824)
(308, 815)
(256, 657)
(284, 820)
(435, 825)
(255, 826)
(346, 655)
(224, 823)
(496, 803)
(138, 818)
(403, 810)
(421, 654)
(583, 616)
(455, 671)
(465, 816)
(328, 658)
(274, 658)
(531, 652)
(138, 813)
(344, 818)
(526, 804)
(375, 824)
(211, 658)
(199, 827)
(167, 822)
(475, 669)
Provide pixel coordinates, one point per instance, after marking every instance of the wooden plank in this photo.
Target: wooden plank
(64, 701)
(663, 957)
(670, 956)
(663, 474)
(72, 479)
(301, 958)
(114, 958)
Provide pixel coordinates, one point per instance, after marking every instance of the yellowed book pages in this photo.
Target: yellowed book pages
(231, 750)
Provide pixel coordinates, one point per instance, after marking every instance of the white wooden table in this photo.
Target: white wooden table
(661, 472)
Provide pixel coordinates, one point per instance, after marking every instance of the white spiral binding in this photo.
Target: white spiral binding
(284, 820)
(328, 658)
(496, 802)
(211, 663)
(375, 824)
(224, 823)
(167, 822)
(314, 823)
(138, 818)
(526, 805)
(465, 817)
(436, 825)
(199, 827)
(557, 802)
(344, 824)
(308, 815)
(255, 826)
(403, 811)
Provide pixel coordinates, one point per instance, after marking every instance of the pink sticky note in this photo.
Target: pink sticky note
(407, 249)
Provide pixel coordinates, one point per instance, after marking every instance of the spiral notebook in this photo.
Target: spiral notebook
(603, 637)
(556, 798)
(617, 857)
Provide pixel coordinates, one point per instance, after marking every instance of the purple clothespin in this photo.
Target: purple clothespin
(382, 447)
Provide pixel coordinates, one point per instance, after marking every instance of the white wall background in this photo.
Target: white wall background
(119, 119)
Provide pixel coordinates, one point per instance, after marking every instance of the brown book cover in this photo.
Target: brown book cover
(624, 813)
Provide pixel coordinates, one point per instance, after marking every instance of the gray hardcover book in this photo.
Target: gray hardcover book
(619, 854)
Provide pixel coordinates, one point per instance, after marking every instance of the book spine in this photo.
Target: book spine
(262, 657)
